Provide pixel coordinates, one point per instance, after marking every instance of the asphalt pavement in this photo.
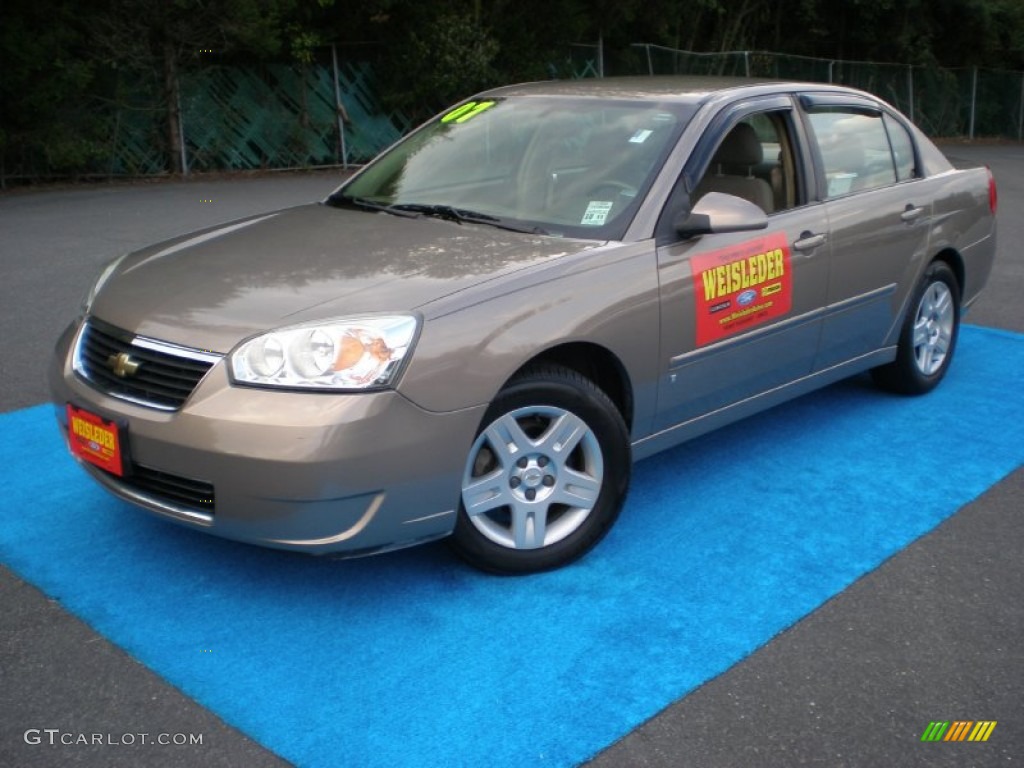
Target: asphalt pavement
(934, 633)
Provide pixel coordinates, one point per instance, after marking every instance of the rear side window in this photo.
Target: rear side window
(854, 149)
(902, 149)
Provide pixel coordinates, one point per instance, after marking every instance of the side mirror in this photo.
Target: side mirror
(718, 213)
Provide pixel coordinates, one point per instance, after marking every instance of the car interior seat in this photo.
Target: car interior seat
(731, 169)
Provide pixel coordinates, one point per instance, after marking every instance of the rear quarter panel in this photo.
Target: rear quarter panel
(963, 222)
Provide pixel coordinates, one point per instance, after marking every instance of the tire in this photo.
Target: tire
(928, 337)
(546, 476)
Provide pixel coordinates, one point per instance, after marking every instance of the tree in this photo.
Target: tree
(63, 63)
(46, 69)
(161, 38)
(435, 54)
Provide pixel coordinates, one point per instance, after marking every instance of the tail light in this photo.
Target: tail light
(993, 198)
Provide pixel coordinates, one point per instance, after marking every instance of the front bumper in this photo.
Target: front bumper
(350, 473)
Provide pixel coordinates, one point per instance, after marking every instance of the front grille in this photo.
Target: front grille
(172, 489)
(165, 375)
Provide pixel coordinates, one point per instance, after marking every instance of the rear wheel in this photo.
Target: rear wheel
(545, 477)
(928, 337)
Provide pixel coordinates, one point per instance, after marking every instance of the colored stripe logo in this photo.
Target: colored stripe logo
(958, 730)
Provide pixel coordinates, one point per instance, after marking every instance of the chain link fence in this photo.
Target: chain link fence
(230, 117)
(329, 112)
(947, 103)
(281, 116)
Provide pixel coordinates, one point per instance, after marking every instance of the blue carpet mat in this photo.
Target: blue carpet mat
(412, 659)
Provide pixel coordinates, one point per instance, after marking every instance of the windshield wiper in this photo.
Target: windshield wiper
(441, 211)
(447, 212)
(460, 215)
(339, 201)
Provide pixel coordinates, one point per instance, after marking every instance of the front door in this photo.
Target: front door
(740, 313)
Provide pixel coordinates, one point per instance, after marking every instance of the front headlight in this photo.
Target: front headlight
(350, 353)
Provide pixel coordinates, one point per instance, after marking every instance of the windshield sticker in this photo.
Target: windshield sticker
(641, 136)
(467, 111)
(742, 286)
(597, 212)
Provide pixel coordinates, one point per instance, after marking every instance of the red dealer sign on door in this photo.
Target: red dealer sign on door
(741, 286)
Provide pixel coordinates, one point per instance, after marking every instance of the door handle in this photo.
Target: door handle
(910, 213)
(809, 241)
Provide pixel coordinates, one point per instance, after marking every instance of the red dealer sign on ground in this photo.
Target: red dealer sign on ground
(741, 286)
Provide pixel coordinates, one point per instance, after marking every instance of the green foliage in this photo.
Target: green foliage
(46, 74)
(436, 63)
(534, 37)
(64, 64)
(163, 37)
(452, 58)
(136, 33)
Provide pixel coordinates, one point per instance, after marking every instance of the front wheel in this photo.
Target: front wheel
(545, 477)
(928, 337)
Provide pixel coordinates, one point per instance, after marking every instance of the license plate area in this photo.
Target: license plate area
(96, 440)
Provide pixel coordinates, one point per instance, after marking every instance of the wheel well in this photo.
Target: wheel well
(597, 364)
(953, 260)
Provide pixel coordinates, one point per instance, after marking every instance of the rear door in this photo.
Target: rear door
(741, 313)
(879, 217)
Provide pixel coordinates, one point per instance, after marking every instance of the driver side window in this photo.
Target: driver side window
(754, 161)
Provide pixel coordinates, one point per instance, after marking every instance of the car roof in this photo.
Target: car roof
(691, 89)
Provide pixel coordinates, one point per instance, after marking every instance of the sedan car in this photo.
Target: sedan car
(476, 335)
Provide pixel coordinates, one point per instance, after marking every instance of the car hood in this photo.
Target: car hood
(214, 288)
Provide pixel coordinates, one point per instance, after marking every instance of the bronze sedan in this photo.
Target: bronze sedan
(477, 334)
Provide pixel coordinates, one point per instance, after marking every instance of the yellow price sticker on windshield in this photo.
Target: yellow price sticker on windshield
(466, 111)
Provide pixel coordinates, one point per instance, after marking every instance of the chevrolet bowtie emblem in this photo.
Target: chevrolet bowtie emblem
(122, 365)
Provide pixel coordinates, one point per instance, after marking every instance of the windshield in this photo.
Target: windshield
(573, 167)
